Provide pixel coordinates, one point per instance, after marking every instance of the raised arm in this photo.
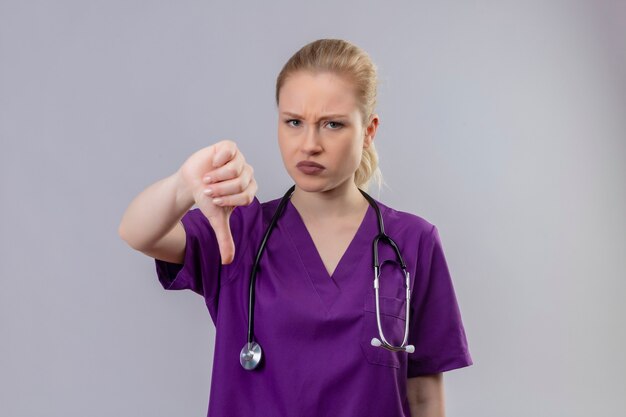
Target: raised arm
(151, 223)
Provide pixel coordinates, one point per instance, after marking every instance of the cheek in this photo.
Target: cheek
(281, 147)
(351, 149)
(286, 150)
(282, 138)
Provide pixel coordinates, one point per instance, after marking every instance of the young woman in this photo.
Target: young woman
(311, 287)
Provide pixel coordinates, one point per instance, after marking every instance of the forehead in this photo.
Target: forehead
(307, 93)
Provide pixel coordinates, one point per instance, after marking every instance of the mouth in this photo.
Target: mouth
(310, 164)
(310, 167)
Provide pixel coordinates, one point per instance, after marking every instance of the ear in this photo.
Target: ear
(370, 130)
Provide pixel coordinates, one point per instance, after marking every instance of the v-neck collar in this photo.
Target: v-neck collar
(329, 287)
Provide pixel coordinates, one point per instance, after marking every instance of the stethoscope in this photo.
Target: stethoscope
(251, 353)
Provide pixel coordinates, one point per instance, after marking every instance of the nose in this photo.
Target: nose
(311, 143)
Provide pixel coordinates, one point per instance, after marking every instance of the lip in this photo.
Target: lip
(310, 167)
(310, 164)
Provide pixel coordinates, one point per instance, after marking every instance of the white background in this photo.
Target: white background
(503, 123)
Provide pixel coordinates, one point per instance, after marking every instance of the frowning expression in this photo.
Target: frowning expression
(319, 122)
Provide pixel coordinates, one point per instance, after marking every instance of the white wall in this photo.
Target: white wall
(501, 122)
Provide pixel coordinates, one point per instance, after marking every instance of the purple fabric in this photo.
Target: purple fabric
(315, 330)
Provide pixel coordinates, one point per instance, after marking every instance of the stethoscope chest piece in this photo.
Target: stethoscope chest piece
(250, 355)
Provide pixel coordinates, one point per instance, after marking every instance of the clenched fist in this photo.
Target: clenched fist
(219, 179)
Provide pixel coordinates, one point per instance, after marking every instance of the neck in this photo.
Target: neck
(343, 200)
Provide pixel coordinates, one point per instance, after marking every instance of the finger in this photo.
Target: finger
(229, 170)
(234, 185)
(224, 151)
(221, 225)
(240, 199)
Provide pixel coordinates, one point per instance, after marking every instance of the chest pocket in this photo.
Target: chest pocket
(392, 318)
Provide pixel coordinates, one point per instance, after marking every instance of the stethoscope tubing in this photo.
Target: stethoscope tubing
(251, 353)
(251, 290)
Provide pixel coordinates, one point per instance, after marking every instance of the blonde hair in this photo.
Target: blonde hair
(346, 59)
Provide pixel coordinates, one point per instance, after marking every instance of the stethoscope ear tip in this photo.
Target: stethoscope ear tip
(376, 342)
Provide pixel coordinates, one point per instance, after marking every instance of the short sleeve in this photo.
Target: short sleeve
(436, 328)
(202, 266)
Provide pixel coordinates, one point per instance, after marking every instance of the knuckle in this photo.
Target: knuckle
(215, 190)
(232, 146)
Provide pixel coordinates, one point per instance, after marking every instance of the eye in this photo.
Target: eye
(292, 120)
(337, 124)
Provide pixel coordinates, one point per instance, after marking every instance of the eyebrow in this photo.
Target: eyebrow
(324, 117)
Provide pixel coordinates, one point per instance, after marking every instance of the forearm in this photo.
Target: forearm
(425, 395)
(155, 211)
(431, 408)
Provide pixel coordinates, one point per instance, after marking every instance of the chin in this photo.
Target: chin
(312, 184)
(309, 186)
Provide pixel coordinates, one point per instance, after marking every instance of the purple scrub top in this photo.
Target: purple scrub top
(315, 329)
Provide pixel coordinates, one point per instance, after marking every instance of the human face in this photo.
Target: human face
(319, 121)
